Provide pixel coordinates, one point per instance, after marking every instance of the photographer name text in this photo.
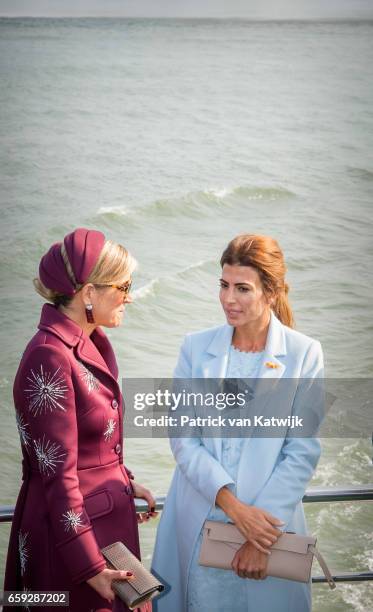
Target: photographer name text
(290, 422)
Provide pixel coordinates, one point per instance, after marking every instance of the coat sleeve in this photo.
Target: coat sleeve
(198, 465)
(129, 473)
(299, 456)
(49, 408)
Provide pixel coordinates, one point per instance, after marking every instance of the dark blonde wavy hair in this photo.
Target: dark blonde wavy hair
(264, 254)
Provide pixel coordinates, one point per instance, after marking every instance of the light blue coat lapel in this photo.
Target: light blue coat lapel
(214, 365)
(273, 367)
(214, 361)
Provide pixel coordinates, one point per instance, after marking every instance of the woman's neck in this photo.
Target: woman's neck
(79, 319)
(252, 336)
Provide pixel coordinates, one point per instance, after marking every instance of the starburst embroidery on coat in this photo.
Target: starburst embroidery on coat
(23, 550)
(110, 427)
(48, 455)
(89, 378)
(22, 429)
(26, 591)
(46, 391)
(72, 520)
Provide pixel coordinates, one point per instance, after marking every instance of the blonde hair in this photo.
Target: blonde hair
(114, 265)
(264, 254)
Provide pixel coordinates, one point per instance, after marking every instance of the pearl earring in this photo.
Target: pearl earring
(89, 313)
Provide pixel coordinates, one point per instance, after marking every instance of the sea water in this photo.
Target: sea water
(172, 136)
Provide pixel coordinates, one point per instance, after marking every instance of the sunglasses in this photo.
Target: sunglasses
(125, 288)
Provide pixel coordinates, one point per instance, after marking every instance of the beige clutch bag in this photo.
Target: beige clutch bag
(140, 589)
(291, 556)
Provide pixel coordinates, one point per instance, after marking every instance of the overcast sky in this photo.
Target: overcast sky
(252, 9)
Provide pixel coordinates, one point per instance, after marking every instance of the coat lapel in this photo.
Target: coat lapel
(215, 361)
(273, 365)
(214, 365)
(97, 351)
(272, 369)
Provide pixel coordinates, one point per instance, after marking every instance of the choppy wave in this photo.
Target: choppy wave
(199, 203)
(252, 192)
(356, 597)
(113, 210)
(361, 173)
(4, 382)
(112, 217)
(150, 287)
(145, 290)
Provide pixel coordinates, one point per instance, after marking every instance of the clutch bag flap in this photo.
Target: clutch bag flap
(291, 556)
(137, 590)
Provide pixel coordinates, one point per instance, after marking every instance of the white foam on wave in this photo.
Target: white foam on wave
(198, 264)
(116, 210)
(250, 192)
(148, 288)
(4, 382)
(356, 594)
(322, 518)
(145, 290)
(219, 193)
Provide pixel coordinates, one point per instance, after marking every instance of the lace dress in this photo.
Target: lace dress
(211, 588)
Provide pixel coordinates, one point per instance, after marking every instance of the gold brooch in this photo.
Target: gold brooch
(270, 364)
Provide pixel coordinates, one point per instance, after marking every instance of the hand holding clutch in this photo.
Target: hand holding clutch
(249, 562)
(102, 581)
(255, 524)
(291, 556)
(142, 588)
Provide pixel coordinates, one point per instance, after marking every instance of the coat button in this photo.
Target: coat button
(114, 404)
(117, 449)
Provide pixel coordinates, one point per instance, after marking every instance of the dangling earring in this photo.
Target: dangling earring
(89, 313)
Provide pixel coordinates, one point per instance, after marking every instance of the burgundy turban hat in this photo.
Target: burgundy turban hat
(83, 248)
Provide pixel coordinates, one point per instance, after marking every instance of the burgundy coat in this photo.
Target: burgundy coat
(76, 495)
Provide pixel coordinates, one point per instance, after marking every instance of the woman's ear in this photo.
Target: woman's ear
(87, 293)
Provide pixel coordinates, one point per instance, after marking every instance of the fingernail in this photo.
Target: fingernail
(129, 574)
(152, 509)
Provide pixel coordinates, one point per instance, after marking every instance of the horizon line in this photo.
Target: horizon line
(186, 18)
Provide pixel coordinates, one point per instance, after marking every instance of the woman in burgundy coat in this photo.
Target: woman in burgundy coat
(76, 496)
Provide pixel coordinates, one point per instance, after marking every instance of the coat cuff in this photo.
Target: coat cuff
(213, 488)
(82, 556)
(89, 573)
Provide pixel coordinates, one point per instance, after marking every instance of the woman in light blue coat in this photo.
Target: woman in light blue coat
(257, 483)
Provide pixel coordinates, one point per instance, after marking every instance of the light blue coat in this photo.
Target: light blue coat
(273, 472)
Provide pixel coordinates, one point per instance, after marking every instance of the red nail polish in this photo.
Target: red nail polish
(129, 574)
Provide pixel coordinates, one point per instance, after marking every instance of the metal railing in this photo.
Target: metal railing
(313, 495)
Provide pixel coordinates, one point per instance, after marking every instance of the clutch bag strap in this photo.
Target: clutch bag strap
(323, 566)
